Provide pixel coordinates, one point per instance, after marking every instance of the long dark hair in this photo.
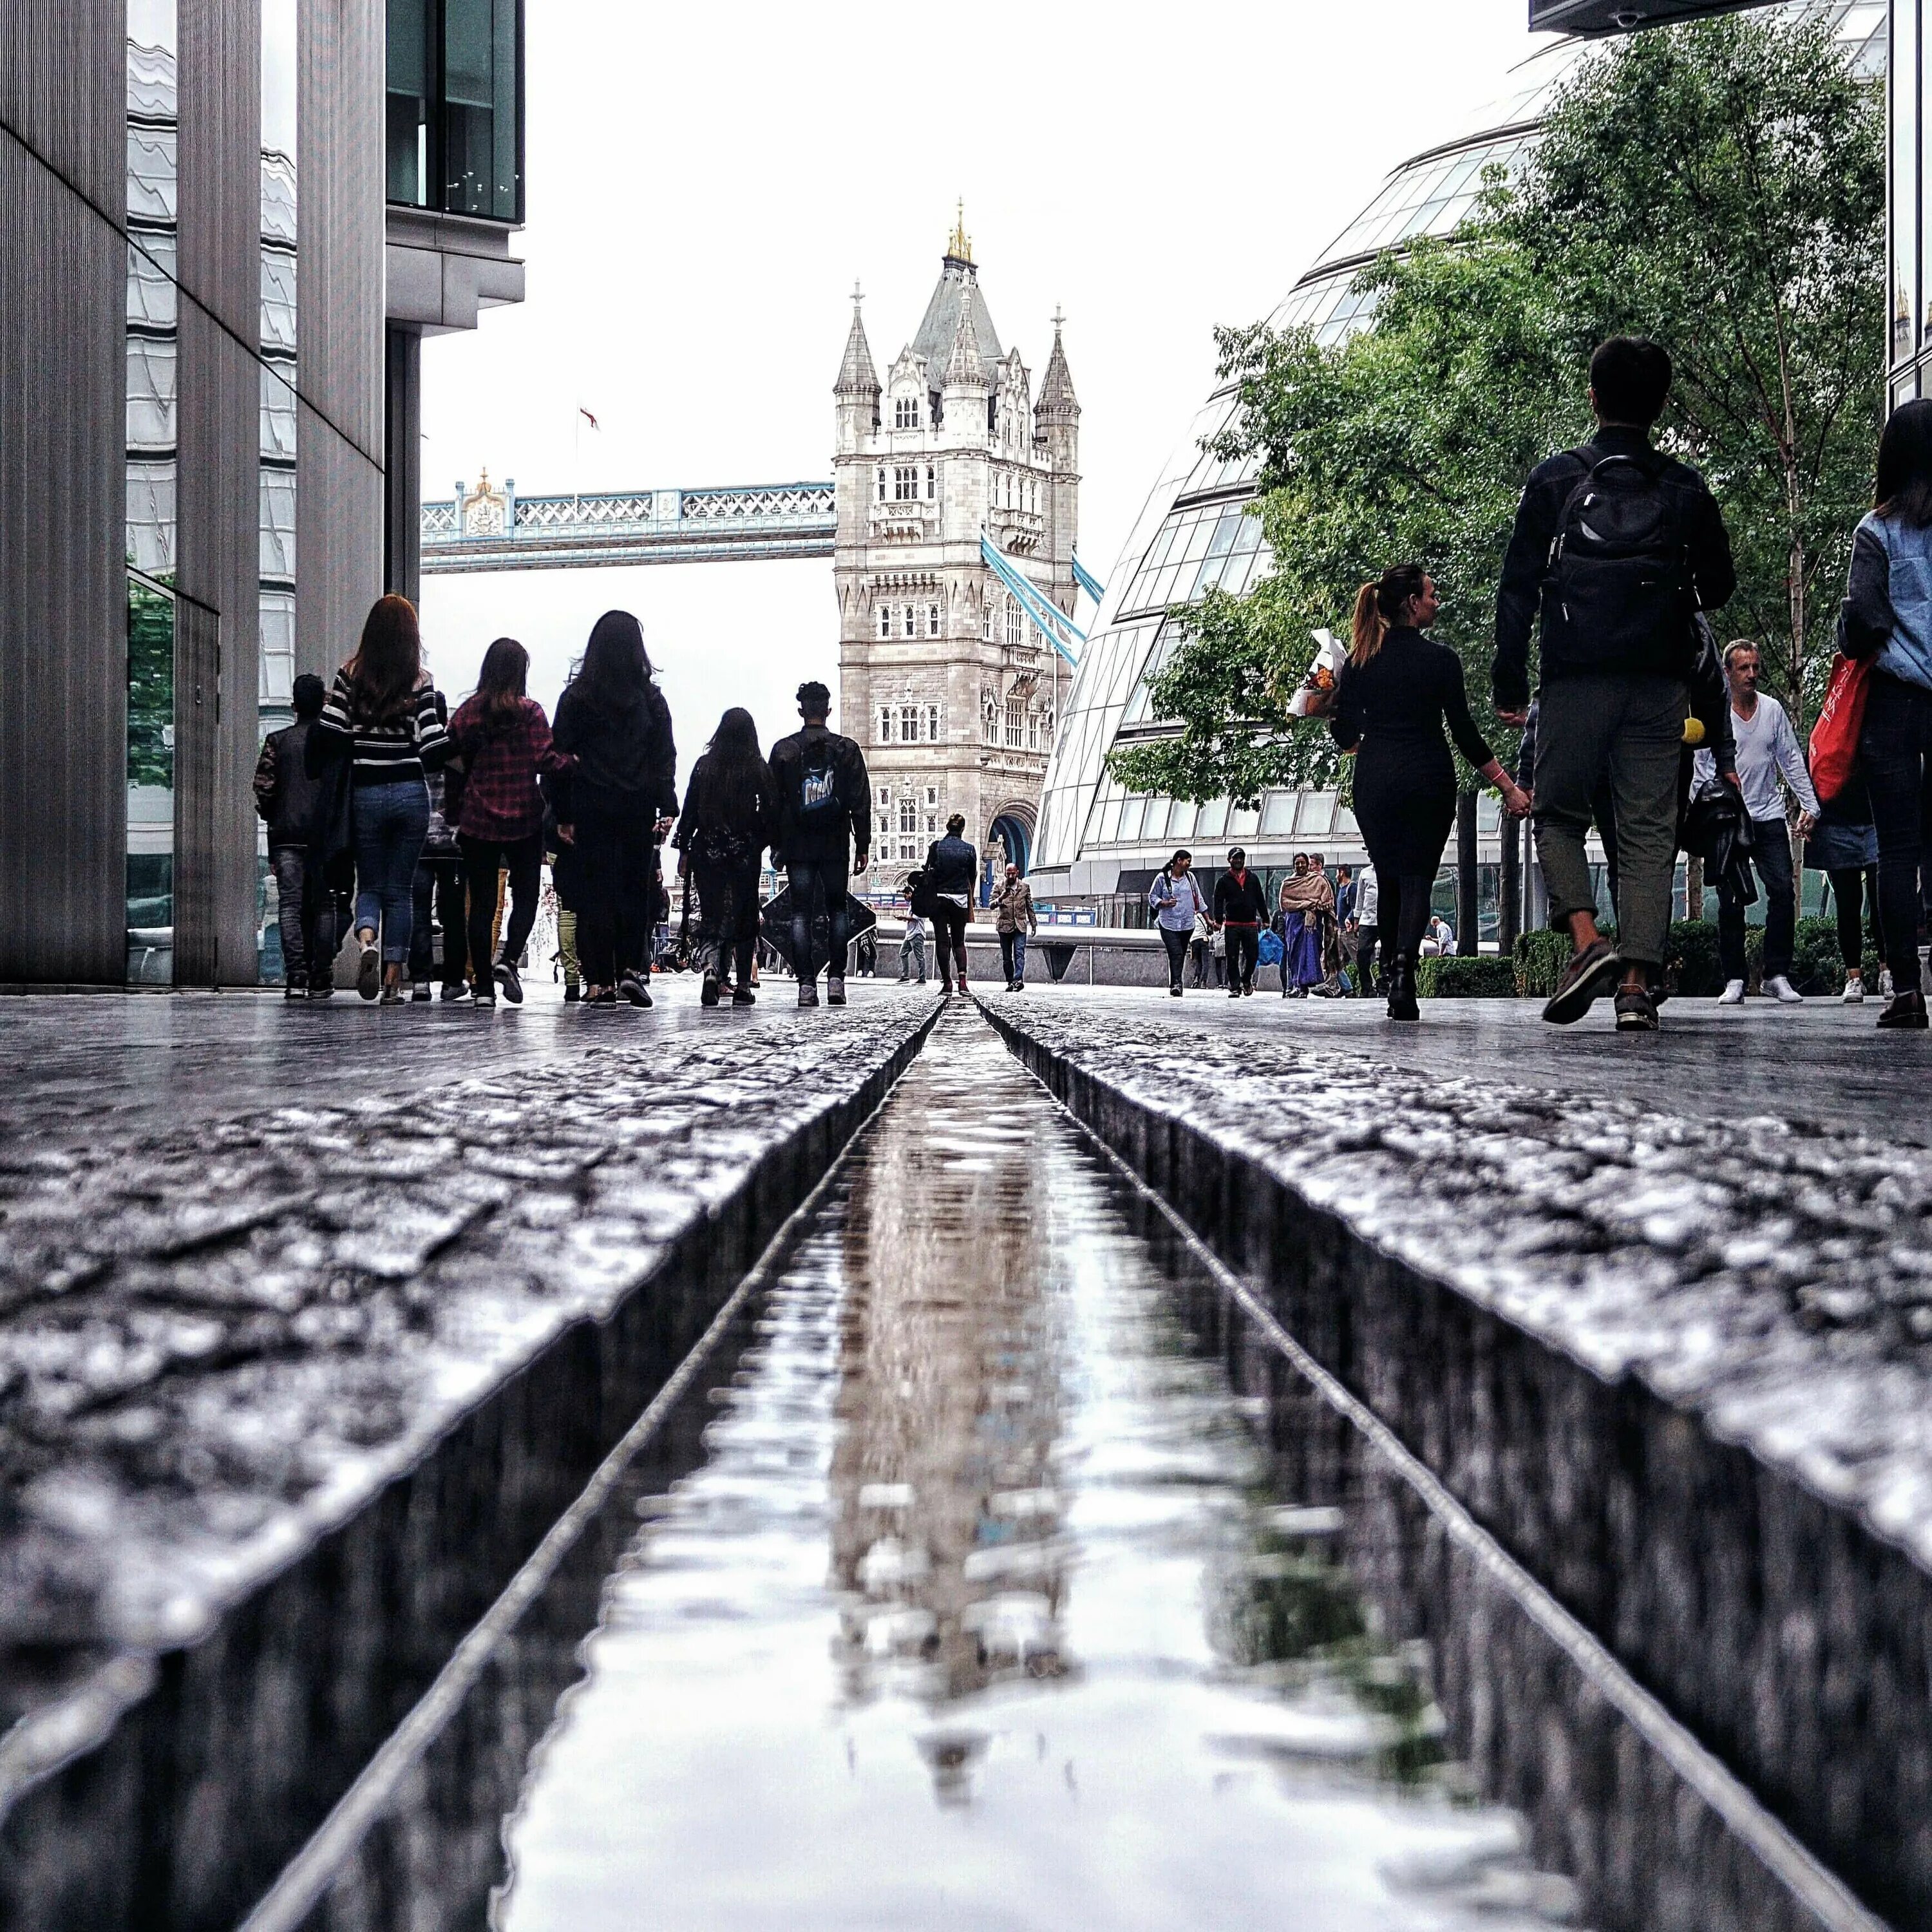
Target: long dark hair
(1378, 604)
(501, 682)
(1904, 489)
(733, 776)
(614, 673)
(388, 664)
(1167, 870)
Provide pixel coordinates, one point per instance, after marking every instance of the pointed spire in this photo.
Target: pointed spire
(856, 376)
(964, 366)
(1056, 389)
(959, 247)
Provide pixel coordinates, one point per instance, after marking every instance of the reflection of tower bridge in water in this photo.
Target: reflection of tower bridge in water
(950, 522)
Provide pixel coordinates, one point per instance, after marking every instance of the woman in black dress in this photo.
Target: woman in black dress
(1395, 693)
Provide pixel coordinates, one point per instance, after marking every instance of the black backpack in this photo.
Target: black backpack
(1619, 575)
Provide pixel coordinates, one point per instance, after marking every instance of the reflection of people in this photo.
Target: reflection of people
(1397, 691)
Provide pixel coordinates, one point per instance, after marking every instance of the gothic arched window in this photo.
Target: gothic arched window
(932, 620)
(885, 620)
(931, 483)
(909, 620)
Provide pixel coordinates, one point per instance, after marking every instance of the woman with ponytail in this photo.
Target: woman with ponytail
(1396, 691)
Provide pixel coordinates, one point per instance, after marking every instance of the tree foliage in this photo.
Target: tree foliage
(1718, 186)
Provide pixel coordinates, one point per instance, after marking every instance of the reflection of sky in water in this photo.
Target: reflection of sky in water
(976, 1614)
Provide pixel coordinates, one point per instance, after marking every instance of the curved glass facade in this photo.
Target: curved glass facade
(1194, 531)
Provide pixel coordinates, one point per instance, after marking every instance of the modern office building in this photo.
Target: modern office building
(194, 458)
(1098, 842)
(942, 674)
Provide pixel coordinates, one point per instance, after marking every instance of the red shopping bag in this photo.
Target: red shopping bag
(1835, 738)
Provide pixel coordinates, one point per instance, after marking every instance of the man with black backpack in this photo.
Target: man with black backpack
(824, 831)
(1620, 547)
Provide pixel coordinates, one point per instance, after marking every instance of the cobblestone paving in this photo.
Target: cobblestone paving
(216, 1337)
(1775, 1277)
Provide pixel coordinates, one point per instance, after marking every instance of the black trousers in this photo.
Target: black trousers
(617, 894)
(1895, 750)
(727, 922)
(1177, 944)
(483, 858)
(1852, 887)
(818, 885)
(1771, 853)
(439, 885)
(1403, 912)
(1366, 937)
(949, 938)
(1244, 945)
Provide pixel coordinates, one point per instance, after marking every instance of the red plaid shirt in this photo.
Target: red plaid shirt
(500, 798)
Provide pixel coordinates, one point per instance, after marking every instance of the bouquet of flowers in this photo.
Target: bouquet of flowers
(1316, 698)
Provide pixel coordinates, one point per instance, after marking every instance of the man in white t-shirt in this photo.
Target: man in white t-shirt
(1767, 748)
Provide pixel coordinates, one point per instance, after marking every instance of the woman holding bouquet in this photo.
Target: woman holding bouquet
(1396, 691)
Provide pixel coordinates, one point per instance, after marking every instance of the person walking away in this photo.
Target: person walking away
(1368, 908)
(437, 892)
(1620, 547)
(730, 812)
(1397, 689)
(912, 946)
(1307, 910)
(1240, 911)
(1203, 945)
(382, 715)
(1765, 746)
(287, 798)
(1886, 621)
(505, 741)
(824, 836)
(1013, 922)
(1180, 913)
(952, 870)
(1844, 845)
(614, 804)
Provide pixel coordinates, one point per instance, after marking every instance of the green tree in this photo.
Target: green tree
(1718, 186)
(1721, 188)
(1408, 442)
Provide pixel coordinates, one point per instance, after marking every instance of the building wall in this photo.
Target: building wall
(339, 502)
(63, 607)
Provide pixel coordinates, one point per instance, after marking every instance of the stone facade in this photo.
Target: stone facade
(950, 687)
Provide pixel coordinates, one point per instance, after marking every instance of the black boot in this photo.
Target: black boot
(1402, 990)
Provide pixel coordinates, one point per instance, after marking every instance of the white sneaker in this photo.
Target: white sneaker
(1783, 991)
(1855, 989)
(1733, 995)
(1885, 982)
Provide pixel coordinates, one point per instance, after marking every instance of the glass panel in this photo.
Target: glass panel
(1181, 819)
(1278, 812)
(1213, 822)
(1246, 821)
(1131, 813)
(410, 46)
(479, 51)
(150, 785)
(1318, 813)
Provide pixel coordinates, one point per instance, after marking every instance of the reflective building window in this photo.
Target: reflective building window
(455, 131)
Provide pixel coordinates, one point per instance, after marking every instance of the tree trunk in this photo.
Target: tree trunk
(1509, 892)
(1694, 887)
(1465, 873)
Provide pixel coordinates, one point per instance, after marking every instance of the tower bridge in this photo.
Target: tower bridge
(490, 527)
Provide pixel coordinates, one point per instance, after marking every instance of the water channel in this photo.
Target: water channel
(999, 1575)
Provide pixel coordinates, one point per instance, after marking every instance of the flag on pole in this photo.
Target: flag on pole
(589, 418)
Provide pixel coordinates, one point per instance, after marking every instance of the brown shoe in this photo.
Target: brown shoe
(1586, 978)
(1907, 1010)
(1637, 1011)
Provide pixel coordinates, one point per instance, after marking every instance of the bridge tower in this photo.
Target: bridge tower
(943, 677)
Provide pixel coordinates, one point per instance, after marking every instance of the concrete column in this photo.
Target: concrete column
(63, 496)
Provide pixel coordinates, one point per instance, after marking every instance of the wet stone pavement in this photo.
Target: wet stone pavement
(982, 1609)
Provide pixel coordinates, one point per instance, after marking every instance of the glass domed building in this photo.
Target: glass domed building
(1097, 840)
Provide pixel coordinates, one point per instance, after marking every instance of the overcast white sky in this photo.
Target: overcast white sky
(705, 183)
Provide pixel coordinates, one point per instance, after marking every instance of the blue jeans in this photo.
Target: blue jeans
(391, 821)
(1012, 948)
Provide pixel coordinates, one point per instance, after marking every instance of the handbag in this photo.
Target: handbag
(1841, 718)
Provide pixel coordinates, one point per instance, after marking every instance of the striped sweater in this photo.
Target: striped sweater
(401, 747)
